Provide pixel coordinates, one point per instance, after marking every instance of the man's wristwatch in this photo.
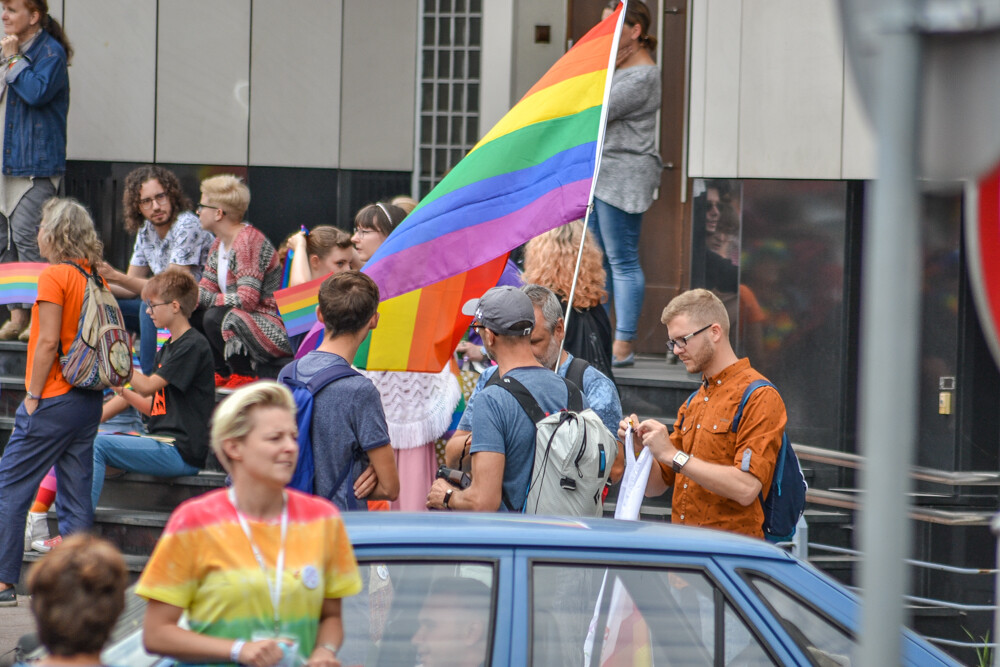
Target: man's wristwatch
(447, 498)
(680, 460)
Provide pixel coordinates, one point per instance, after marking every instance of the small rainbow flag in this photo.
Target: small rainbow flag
(19, 281)
(297, 306)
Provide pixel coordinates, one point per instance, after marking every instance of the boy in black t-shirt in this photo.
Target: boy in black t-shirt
(178, 397)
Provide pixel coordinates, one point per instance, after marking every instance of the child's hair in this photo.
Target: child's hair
(347, 301)
(233, 419)
(174, 284)
(77, 593)
(228, 192)
(320, 241)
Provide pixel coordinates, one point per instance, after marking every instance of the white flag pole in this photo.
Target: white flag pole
(602, 125)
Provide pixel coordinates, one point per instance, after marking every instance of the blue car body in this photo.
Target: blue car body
(513, 543)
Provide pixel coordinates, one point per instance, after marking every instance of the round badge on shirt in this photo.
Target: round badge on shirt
(310, 577)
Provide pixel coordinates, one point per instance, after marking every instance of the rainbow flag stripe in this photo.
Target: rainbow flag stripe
(532, 172)
(420, 330)
(297, 306)
(19, 281)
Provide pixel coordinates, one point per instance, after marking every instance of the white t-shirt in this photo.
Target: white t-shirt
(223, 266)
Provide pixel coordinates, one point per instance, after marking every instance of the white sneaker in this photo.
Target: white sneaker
(37, 528)
(45, 546)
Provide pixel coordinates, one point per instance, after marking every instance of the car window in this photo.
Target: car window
(819, 637)
(594, 615)
(419, 612)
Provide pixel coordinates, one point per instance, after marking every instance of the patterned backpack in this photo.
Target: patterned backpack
(100, 356)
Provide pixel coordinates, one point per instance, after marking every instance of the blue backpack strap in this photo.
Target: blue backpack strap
(288, 376)
(751, 388)
(779, 468)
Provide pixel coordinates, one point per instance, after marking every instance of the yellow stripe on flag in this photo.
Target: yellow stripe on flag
(558, 101)
(391, 339)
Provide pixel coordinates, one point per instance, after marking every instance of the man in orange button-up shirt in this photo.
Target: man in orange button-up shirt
(717, 475)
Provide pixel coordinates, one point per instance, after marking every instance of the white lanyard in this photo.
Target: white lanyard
(275, 588)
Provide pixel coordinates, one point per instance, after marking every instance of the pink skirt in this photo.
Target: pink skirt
(417, 468)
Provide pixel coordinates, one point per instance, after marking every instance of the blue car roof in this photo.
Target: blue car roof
(469, 529)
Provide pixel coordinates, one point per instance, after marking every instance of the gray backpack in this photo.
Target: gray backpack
(574, 452)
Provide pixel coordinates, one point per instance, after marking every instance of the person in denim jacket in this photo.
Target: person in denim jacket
(34, 99)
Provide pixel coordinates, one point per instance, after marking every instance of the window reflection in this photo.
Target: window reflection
(419, 613)
(634, 616)
(774, 252)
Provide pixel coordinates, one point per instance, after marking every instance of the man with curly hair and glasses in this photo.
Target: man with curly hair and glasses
(168, 234)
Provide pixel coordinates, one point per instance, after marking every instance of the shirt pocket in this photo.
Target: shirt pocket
(713, 440)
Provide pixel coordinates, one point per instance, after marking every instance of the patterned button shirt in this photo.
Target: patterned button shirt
(186, 244)
(703, 430)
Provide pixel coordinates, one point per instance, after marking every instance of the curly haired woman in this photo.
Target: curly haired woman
(550, 260)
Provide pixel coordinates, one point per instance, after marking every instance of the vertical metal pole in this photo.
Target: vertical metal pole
(890, 331)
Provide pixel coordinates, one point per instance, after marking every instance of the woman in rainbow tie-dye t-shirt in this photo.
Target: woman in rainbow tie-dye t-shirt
(219, 553)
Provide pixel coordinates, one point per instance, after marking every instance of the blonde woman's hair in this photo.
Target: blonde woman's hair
(701, 307)
(229, 193)
(233, 419)
(550, 259)
(68, 230)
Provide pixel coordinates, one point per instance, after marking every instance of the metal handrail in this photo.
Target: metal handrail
(847, 460)
(942, 517)
(918, 563)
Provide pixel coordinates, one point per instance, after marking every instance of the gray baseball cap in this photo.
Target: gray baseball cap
(504, 310)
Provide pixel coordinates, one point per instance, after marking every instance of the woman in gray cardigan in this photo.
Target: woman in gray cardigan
(630, 173)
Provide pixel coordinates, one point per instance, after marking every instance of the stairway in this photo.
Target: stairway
(133, 508)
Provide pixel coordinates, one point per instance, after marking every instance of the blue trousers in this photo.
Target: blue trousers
(617, 233)
(135, 454)
(137, 319)
(59, 433)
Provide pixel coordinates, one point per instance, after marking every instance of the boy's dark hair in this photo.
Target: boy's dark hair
(174, 285)
(347, 301)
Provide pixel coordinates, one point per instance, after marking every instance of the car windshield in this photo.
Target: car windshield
(658, 616)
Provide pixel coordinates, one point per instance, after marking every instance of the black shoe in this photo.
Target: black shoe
(8, 597)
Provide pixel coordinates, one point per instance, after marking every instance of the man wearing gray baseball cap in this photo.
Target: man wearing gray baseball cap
(503, 436)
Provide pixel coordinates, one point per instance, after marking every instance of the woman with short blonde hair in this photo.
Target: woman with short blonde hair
(217, 557)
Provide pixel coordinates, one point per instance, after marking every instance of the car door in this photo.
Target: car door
(618, 607)
(417, 600)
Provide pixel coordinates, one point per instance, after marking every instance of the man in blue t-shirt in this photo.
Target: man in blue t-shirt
(546, 341)
(348, 425)
(503, 440)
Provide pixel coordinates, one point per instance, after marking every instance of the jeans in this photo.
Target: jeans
(135, 454)
(617, 233)
(59, 433)
(137, 319)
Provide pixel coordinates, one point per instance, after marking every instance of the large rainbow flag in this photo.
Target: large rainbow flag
(531, 173)
(19, 281)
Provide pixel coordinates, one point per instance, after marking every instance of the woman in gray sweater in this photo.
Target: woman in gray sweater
(630, 173)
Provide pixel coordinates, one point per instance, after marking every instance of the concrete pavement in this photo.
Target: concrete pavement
(14, 622)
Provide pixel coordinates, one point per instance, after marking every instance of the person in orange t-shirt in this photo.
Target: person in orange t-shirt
(57, 422)
(717, 475)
